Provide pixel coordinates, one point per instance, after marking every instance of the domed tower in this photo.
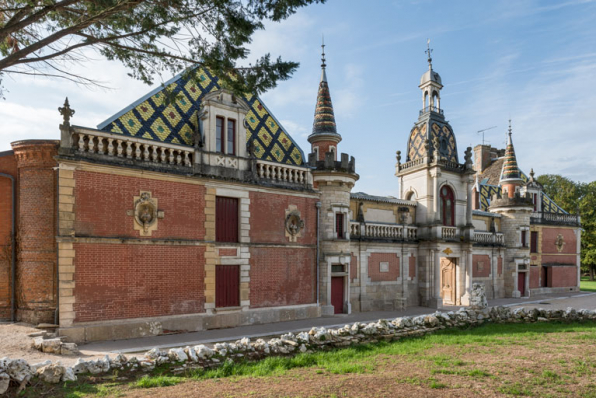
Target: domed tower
(324, 137)
(334, 179)
(442, 188)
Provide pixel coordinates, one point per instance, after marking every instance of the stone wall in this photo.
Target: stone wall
(317, 339)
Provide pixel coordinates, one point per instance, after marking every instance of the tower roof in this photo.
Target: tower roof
(510, 171)
(324, 123)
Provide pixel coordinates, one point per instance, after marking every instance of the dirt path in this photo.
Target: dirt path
(14, 343)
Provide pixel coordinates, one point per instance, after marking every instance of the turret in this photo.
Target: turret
(324, 137)
(510, 174)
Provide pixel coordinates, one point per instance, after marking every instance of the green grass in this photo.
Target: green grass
(586, 285)
(158, 381)
(426, 354)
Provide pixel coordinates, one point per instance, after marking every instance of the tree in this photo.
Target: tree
(588, 216)
(44, 37)
(562, 190)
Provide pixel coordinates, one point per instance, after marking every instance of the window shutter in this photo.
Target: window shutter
(226, 219)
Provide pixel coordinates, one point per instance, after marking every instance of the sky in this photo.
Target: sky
(531, 61)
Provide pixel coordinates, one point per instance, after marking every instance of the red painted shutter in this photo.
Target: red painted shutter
(226, 219)
(227, 286)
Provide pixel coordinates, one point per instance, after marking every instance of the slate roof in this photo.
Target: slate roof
(383, 199)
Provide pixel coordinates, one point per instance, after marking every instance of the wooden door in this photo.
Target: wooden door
(521, 283)
(337, 294)
(227, 286)
(448, 281)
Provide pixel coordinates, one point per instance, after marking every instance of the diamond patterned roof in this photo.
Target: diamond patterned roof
(151, 119)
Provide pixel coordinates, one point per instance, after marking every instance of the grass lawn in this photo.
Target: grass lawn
(587, 285)
(538, 360)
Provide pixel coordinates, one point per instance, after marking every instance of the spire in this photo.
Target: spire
(510, 171)
(324, 122)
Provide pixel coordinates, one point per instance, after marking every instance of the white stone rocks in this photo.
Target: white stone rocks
(51, 346)
(69, 375)
(80, 366)
(204, 352)
(18, 370)
(478, 297)
(51, 373)
(69, 349)
(191, 353)
(4, 382)
(177, 355)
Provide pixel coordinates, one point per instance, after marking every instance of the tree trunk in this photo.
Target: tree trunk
(592, 272)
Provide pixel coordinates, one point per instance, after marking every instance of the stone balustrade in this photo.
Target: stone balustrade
(86, 141)
(282, 173)
(448, 233)
(382, 231)
(488, 238)
(571, 220)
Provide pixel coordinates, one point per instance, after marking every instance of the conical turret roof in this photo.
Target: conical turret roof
(510, 171)
(324, 123)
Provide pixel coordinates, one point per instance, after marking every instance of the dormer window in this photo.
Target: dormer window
(225, 139)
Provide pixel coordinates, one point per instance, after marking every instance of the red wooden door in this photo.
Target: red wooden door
(227, 286)
(521, 283)
(337, 294)
(226, 219)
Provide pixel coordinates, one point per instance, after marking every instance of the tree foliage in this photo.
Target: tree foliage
(44, 37)
(572, 196)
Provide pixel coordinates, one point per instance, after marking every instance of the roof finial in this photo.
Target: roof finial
(323, 65)
(429, 51)
(509, 138)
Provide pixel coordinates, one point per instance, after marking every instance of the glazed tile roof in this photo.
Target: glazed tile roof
(150, 118)
(324, 122)
(510, 171)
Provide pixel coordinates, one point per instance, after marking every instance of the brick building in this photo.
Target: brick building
(203, 213)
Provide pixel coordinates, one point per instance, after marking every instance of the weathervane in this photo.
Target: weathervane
(429, 51)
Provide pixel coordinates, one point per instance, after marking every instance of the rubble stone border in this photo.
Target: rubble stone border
(317, 339)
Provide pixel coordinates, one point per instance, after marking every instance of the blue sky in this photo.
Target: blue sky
(533, 61)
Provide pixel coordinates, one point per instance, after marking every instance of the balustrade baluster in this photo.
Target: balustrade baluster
(81, 142)
(100, 145)
(119, 148)
(91, 144)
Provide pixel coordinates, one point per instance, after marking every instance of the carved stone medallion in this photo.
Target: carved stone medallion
(293, 223)
(560, 243)
(145, 213)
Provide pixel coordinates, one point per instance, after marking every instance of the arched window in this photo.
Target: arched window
(447, 206)
(436, 101)
(426, 100)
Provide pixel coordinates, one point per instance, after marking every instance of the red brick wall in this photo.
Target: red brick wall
(36, 237)
(324, 148)
(549, 237)
(8, 165)
(562, 276)
(412, 271)
(280, 276)
(477, 272)
(534, 277)
(374, 264)
(353, 267)
(116, 281)
(268, 218)
(500, 266)
(102, 201)
(571, 260)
